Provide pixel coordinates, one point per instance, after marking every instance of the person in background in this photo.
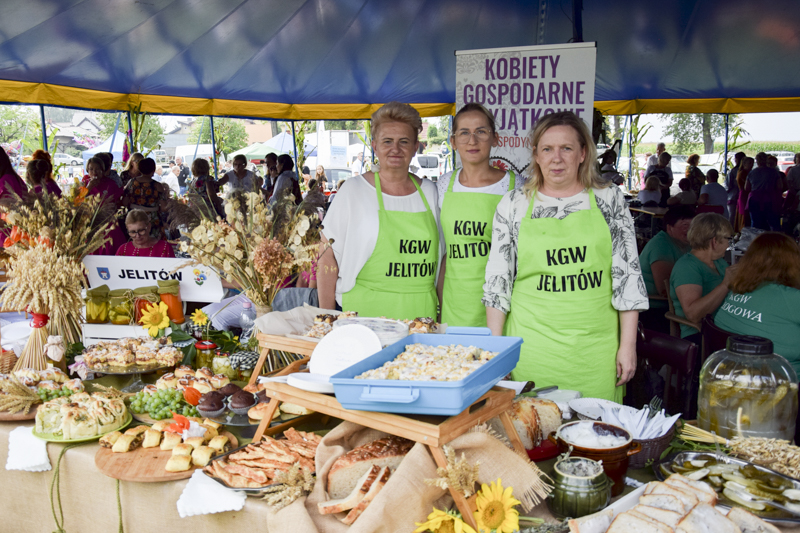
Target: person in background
(239, 179)
(663, 171)
(183, 175)
(287, 181)
(306, 175)
(270, 175)
(743, 214)
(41, 154)
(686, 196)
(764, 187)
(733, 188)
(204, 187)
(700, 279)
(131, 169)
(577, 313)
(653, 159)
(468, 197)
(608, 170)
(159, 174)
(791, 205)
(170, 181)
(100, 184)
(658, 258)
(36, 176)
(694, 174)
(319, 175)
(10, 182)
(147, 195)
(651, 194)
(712, 193)
(142, 243)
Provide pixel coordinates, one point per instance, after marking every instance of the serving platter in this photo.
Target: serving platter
(49, 437)
(255, 492)
(144, 465)
(776, 516)
(127, 370)
(5, 416)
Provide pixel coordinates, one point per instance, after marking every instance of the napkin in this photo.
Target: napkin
(203, 495)
(26, 452)
(638, 421)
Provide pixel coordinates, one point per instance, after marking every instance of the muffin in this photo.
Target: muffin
(211, 404)
(241, 402)
(230, 389)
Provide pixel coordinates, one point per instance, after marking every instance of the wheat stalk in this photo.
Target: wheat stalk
(16, 397)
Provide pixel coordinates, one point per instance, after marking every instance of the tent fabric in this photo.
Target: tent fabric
(337, 59)
(105, 146)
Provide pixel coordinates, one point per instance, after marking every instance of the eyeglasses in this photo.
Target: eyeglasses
(481, 135)
(135, 232)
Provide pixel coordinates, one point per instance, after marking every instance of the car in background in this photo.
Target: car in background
(160, 156)
(785, 160)
(426, 166)
(66, 159)
(334, 174)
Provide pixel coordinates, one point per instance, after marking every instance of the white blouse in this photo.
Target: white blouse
(499, 188)
(628, 289)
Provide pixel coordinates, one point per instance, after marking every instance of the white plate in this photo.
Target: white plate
(311, 382)
(590, 408)
(342, 348)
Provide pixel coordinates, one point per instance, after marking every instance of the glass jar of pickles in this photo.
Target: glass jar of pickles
(120, 306)
(205, 354)
(97, 305)
(746, 390)
(222, 365)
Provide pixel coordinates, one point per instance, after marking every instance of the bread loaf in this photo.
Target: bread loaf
(352, 499)
(594, 523)
(348, 469)
(533, 418)
(374, 489)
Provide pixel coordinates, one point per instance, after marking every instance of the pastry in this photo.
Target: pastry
(201, 455)
(230, 389)
(219, 380)
(126, 443)
(28, 373)
(210, 423)
(185, 383)
(220, 444)
(49, 385)
(242, 400)
(170, 440)
(204, 373)
(255, 387)
(137, 430)
(152, 438)
(145, 353)
(74, 385)
(210, 433)
(179, 463)
(108, 440)
(194, 442)
(161, 425)
(183, 449)
(294, 409)
(150, 389)
(258, 411)
(203, 385)
(167, 381)
(184, 371)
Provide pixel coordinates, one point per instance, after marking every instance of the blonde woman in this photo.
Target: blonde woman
(563, 272)
(651, 191)
(131, 169)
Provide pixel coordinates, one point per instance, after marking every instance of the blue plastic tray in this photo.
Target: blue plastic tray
(427, 397)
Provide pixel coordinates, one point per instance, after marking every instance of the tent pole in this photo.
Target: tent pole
(213, 147)
(199, 136)
(630, 150)
(130, 135)
(577, 21)
(294, 140)
(44, 128)
(114, 135)
(725, 160)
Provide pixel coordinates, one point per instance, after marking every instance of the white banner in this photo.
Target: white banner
(198, 283)
(521, 85)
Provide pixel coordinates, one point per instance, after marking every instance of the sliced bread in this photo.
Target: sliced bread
(352, 499)
(667, 502)
(348, 469)
(705, 519)
(375, 488)
(701, 489)
(688, 499)
(670, 518)
(629, 523)
(750, 523)
(593, 523)
(660, 525)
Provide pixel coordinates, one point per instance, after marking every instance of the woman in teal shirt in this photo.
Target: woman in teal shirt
(700, 279)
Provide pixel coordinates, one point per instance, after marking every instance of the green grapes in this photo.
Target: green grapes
(161, 404)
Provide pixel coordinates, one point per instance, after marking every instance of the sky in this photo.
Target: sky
(760, 126)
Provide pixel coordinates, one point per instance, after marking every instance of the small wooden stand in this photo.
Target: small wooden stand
(432, 431)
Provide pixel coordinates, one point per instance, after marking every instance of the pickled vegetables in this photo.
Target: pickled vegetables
(97, 305)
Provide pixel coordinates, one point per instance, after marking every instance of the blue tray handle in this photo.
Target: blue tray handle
(389, 394)
(461, 330)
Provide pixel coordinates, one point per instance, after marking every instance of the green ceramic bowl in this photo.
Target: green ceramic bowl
(580, 488)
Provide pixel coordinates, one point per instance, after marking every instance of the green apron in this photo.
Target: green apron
(466, 219)
(561, 304)
(399, 278)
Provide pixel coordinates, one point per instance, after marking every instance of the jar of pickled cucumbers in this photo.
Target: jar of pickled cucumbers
(120, 306)
(222, 365)
(97, 305)
(746, 390)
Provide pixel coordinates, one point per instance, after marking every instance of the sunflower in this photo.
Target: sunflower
(444, 522)
(199, 318)
(154, 318)
(496, 509)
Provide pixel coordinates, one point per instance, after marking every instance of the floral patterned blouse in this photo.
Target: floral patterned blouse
(628, 289)
(148, 194)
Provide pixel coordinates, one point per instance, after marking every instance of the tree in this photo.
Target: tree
(20, 123)
(433, 131)
(229, 134)
(348, 125)
(152, 135)
(690, 131)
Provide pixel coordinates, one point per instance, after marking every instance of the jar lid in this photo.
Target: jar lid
(749, 345)
(205, 345)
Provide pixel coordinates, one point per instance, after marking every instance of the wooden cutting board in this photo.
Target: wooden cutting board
(144, 465)
(5, 416)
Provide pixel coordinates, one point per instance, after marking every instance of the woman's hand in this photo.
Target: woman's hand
(729, 273)
(626, 363)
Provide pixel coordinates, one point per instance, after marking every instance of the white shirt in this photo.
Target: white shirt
(246, 184)
(171, 180)
(499, 188)
(352, 224)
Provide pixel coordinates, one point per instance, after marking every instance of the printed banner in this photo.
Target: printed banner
(521, 85)
(198, 283)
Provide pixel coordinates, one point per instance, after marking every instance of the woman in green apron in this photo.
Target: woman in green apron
(563, 271)
(380, 239)
(468, 198)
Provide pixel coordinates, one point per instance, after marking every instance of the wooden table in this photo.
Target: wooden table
(654, 212)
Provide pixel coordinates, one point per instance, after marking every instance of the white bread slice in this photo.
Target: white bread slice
(348, 469)
(705, 519)
(593, 523)
(670, 518)
(702, 490)
(750, 523)
(688, 499)
(377, 485)
(664, 501)
(352, 499)
(652, 521)
(629, 523)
